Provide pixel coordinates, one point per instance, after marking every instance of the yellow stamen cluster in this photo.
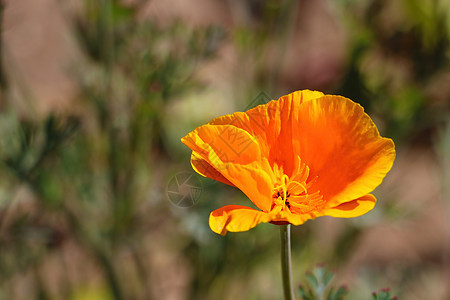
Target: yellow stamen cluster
(291, 194)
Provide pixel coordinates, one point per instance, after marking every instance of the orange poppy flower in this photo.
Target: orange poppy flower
(303, 156)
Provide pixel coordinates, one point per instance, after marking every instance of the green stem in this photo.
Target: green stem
(286, 266)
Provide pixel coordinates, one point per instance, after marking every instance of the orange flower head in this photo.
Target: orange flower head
(303, 156)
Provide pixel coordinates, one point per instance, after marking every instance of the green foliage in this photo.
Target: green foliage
(88, 173)
(383, 294)
(390, 71)
(318, 286)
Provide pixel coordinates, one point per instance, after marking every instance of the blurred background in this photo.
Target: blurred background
(97, 197)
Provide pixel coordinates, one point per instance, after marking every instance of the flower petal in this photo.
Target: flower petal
(235, 218)
(283, 117)
(259, 115)
(271, 125)
(354, 208)
(301, 96)
(203, 168)
(252, 180)
(221, 144)
(236, 155)
(342, 147)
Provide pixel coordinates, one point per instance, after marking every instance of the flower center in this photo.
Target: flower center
(291, 194)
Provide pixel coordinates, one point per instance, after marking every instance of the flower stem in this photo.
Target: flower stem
(286, 266)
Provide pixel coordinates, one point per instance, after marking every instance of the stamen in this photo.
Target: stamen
(294, 185)
(291, 194)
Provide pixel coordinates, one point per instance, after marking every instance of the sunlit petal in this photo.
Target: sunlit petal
(354, 208)
(298, 97)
